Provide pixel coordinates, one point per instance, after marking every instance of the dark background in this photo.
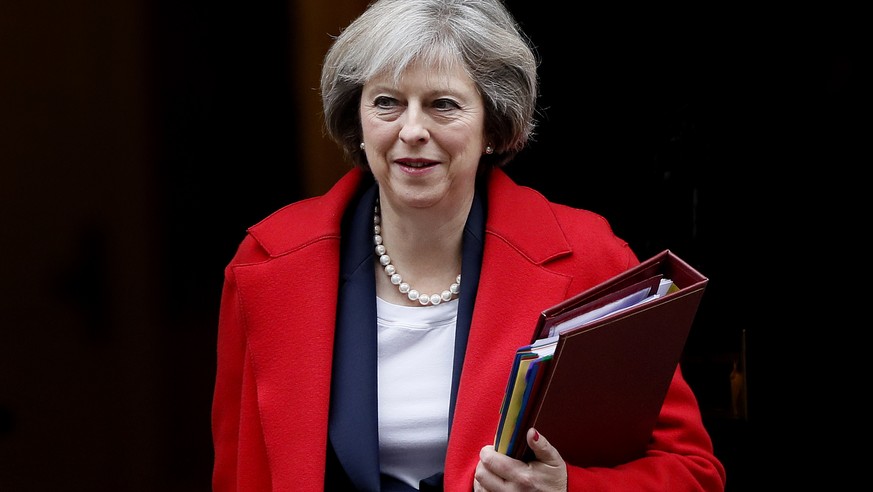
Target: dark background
(138, 140)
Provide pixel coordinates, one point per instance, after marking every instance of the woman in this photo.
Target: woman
(366, 335)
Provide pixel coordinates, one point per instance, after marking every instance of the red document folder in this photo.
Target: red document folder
(599, 396)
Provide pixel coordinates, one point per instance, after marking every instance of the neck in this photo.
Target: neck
(427, 256)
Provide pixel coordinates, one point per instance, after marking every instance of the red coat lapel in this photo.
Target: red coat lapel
(514, 290)
(291, 311)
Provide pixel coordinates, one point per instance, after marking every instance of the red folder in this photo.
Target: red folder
(600, 395)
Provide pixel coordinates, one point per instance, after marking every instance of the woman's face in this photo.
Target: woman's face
(424, 136)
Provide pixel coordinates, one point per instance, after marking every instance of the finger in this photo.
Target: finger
(492, 470)
(549, 468)
(477, 487)
(542, 449)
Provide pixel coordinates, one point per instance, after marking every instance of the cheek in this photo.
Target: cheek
(467, 144)
(377, 132)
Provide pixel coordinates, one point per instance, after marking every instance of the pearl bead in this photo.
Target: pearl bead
(396, 279)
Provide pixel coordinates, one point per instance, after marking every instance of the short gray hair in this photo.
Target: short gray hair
(393, 34)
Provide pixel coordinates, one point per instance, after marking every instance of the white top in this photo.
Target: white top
(416, 353)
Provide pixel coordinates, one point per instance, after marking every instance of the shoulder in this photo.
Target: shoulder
(505, 191)
(301, 223)
(598, 253)
(520, 211)
(576, 241)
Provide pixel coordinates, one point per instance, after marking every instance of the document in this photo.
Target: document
(525, 376)
(599, 364)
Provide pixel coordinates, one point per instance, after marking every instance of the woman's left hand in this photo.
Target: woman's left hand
(498, 472)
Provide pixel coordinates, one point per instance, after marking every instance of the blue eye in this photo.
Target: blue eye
(384, 102)
(445, 104)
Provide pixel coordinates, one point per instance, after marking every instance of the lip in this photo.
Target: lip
(415, 162)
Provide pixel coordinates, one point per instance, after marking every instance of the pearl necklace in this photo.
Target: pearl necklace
(396, 279)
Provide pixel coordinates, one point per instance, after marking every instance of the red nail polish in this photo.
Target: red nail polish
(536, 436)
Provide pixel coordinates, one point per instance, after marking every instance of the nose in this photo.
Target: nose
(414, 129)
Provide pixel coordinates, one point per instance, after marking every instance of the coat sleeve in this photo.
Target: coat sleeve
(680, 456)
(240, 461)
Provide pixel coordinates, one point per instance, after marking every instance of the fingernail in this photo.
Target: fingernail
(536, 436)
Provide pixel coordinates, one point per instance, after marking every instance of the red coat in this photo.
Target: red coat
(276, 334)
